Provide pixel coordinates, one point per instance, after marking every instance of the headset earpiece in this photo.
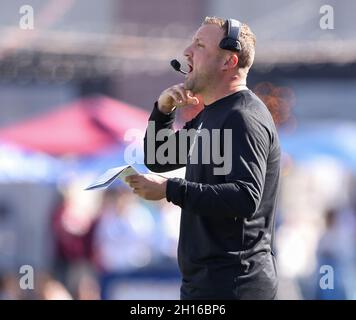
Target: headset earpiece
(231, 41)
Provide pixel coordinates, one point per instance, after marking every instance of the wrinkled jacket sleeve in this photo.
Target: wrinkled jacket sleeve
(158, 122)
(241, 193)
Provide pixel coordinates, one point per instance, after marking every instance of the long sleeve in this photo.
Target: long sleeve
(161, 136)
(242, 190)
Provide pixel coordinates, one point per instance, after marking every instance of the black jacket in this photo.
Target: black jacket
(227, 222)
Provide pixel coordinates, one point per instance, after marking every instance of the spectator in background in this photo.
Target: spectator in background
(345, 230)
(73, 230)
(47, 288)
(122, 237)
(330, 253)
(9, 287)
(168, 232)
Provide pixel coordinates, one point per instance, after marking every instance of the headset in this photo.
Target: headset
(231, 41)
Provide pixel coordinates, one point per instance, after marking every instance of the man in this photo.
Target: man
(227, 222)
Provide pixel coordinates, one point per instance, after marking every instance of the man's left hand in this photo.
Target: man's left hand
(148, 186)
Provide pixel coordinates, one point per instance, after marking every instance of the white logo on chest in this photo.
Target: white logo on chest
(195, 139)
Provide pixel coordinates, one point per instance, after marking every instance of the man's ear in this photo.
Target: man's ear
(231, 61)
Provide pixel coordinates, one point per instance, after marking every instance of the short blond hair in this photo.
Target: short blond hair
(247, 39)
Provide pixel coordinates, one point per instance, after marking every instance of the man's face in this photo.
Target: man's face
(204, 58)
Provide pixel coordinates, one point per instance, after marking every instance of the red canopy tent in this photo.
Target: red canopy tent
(82, 127)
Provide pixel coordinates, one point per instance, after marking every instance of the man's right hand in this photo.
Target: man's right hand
(175, 96)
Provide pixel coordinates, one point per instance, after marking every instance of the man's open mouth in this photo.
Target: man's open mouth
(190, 68)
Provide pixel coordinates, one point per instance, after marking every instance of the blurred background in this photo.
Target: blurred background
(88, 72)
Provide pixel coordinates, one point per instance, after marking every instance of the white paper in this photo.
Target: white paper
(107, 178)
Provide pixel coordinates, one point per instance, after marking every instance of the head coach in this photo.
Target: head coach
(227, 226)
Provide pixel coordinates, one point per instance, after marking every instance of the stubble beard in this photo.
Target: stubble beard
(196, 84)
(203, 81)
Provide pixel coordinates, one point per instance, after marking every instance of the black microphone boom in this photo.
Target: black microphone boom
(176, 66)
